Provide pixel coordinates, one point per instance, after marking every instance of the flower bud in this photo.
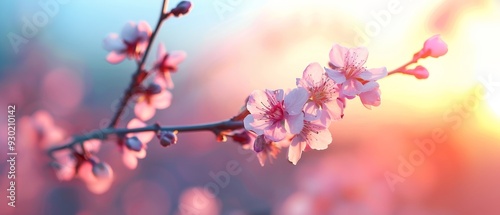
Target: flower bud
(242, 137)
(153, 89)
(167, 138)
(260, 143)
(434, 47)
(102, 170)
(419, 72)
(182, 8)
(133, 143)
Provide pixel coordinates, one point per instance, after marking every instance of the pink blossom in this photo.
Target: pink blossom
(131, 43)
(41, 129)
(135, 144)
(274, 114)
(434, 47)
(314, 134)
(323, 99)
(153, 97)
(165, 64)
(348, 70)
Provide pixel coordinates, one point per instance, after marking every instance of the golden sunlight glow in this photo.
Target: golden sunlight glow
(494, 103)
(482, 34)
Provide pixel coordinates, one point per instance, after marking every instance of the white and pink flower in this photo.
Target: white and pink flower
(353, 78)
(274, 114)
(323, 99)
(40, 129)
(314, 134)
(154, 97)
(131, 43)
(165, 64)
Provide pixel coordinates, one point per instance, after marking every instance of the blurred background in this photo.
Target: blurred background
(234, 47)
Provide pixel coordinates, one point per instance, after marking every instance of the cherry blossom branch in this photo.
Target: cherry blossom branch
(136, 77)
(270, 119)
(215, 127)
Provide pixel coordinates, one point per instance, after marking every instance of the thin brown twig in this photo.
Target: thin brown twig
(215, 127)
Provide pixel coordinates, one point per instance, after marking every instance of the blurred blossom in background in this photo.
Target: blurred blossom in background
(388, 160)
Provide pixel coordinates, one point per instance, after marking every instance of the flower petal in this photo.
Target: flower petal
(175, 58)
(295, 100)
(135, 123)
(312, 111)
(262, 156)
(334, 109)
(140, 154)
(352, 87)
(370, 98)
(275, 132)
(369, 86)
(251, 125)
(129, 159)
(320, 139)
(129, 32)
(295, 150)
(114, 43)
(161, 52)
(376, 74)
(162, 100)
(257, 101)
(337, 76)
(337, 55)
(294, 123)
(145, 137)
(115, 57)
(144, 111)
(313, 74)
(144, 31)
(357, 56)
(278, 94)
(164, 80)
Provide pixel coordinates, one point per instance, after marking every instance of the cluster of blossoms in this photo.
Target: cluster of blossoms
(150, 91)
(298, 118)
(304, 114)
